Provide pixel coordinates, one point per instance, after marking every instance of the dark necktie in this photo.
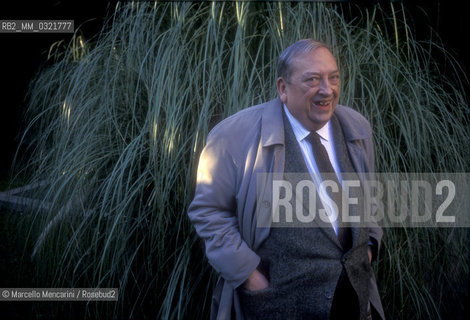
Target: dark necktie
(328, 173)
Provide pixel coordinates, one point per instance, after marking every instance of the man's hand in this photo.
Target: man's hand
(256, 281)
(370, 254)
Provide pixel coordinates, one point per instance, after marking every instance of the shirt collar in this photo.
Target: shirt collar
(301, 132)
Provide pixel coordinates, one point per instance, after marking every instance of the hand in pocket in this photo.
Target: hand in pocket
(256, 281)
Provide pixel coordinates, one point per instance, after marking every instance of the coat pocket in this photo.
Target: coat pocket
(260, 304)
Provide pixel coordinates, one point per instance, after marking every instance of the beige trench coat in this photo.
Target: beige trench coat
(226, 207)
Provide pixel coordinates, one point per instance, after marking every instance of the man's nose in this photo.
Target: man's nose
(325, 87)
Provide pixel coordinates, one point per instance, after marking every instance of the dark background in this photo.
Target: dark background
(21, 55)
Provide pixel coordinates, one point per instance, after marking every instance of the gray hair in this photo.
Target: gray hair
(284, 64)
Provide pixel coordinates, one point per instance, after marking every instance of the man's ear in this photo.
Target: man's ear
(281, 89)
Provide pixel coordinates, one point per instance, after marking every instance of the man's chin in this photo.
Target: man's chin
(319, 120)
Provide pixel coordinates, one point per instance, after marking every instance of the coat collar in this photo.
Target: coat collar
(349, 120)
(272, 124)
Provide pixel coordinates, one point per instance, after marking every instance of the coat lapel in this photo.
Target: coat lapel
(344, 158)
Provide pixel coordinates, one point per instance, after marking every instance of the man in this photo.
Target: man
(287, 273)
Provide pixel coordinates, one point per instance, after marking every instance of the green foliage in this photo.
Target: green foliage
(117, 124)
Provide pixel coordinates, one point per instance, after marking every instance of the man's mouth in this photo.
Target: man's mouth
(322, 103)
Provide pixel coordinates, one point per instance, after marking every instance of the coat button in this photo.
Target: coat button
(328, 295)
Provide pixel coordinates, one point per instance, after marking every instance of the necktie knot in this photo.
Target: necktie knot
(319, 153)
(313, 137)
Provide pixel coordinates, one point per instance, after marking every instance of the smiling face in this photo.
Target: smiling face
(312, 90)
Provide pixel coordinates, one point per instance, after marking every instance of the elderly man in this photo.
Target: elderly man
(287, 272)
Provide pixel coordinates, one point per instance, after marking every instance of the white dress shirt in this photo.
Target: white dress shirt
(326, 139)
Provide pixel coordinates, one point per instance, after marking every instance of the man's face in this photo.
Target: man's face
(312, 92)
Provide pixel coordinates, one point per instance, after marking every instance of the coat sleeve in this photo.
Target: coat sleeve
(213, 213)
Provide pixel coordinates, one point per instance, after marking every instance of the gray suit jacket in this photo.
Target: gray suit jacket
(226, 205)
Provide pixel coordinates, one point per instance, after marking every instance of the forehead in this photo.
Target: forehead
(319, 61)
